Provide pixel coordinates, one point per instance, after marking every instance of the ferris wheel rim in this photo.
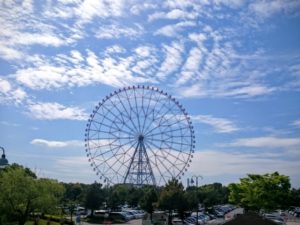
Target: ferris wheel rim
(154, 160)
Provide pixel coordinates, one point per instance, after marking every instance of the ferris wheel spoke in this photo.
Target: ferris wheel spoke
(167, 131)
(170, 148)
(156, 162)
(114, 122)
(124, 153)
(112, 133)
(101, 145)
(137, 111)
(106, 138)
(157, 100)
(105, 116)
(146, 113)
(130, 106)
(153, 119)
(112, 149)
(173, 142)
(125, 109)
(121, 113)
(159, 125)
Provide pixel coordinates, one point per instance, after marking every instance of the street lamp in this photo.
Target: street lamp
(192, 181)
(3, 160)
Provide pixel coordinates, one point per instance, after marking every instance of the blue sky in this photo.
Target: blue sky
(233, 64)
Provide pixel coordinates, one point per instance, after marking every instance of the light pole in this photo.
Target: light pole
(3, 160)
(192, 181)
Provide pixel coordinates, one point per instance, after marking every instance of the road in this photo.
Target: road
(291, 221)
(131, 222)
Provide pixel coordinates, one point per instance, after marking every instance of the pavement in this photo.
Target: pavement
(131, 222)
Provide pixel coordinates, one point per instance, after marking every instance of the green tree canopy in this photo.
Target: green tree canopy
(22, 193)
(213, 194)
(268, 191)
(172, 197)
(148, 200)
(94, 197)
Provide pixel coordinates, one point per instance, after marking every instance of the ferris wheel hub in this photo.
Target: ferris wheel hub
(141, 138)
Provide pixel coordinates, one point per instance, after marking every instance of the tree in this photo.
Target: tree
(94, 197)
(147, 202)
(295, 197)
(268, 191)
(172, 198)
(21, 193)
(213, 194)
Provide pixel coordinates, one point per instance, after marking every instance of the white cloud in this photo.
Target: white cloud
(174, 14)
(174, 29)
(115, 49)
(250, 90)
(141, 7)
(220, 125)
(70, 169)
(5, 123)
(55, 111)
(9, 53)
(265, 142)
(57, 144)
(296, 123)
(173, 59)
(11, 94)
(191, 66)
(211, 163)
(268, 8)
(77, 69)
(115, 31)
(89, 9)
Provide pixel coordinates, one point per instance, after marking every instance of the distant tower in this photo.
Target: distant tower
(3, 160)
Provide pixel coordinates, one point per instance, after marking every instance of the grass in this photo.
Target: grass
(41, 222)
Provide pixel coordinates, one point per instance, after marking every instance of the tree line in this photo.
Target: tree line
(22, 194)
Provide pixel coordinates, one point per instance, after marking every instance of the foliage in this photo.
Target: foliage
(94, 197)
(149, 199)
(21, 193)
(191, 196)
(268, 191)
(213, 194)
(75, 192)
(295, 197)
(172, 198)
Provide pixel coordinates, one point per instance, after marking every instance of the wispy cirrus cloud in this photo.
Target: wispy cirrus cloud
(174, 14)
(220, 125)
(174, 29)
(10, 93)
(172, 60)
(115, 31)
(265, 142)
(270, 7)
(55, 111)
(211, 162)
(296, 123)
(57, 144)
(77, 69)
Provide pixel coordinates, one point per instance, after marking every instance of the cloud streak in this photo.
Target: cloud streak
(265, 142)
(57, 144)
(220, 125)
(55, 111)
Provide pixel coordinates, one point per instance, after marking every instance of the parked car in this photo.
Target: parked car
(275, 217)
(296, 212)
(121, 216)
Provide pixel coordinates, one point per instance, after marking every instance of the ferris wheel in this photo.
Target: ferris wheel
(139, 135)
